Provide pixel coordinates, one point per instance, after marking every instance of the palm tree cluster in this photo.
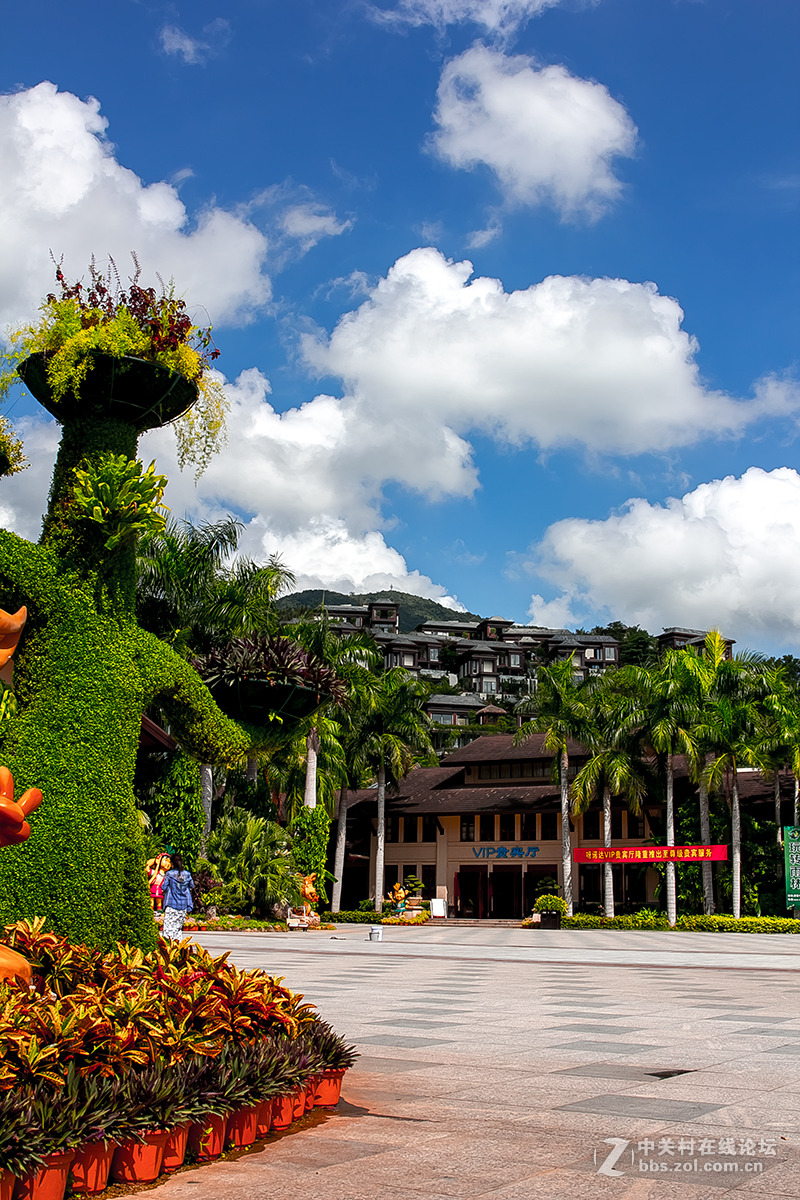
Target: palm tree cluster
(714, 712)
(370, 726)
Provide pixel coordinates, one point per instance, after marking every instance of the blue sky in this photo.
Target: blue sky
(506, 290)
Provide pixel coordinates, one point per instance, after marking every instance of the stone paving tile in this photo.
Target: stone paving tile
(410, 1043)
(587, 1047)
(624, 1104)
(586, 1027)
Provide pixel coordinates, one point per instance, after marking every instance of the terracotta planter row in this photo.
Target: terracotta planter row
(95, 1163)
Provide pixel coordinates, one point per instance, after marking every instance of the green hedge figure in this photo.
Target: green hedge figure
(85, 672)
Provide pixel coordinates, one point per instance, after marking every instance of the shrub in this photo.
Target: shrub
(548, 902)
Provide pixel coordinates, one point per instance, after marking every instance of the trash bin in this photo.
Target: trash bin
(376, 933)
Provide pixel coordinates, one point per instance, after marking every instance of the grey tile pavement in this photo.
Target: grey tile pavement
(503, 1107)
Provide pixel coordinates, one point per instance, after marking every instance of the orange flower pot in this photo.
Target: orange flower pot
(282, 1112)
(207, 1138)
(329, 1088)
(264, 1119)
(140, 1162)
(242, 1126)
(49, 1182)
(298, 1104)
(175, 1149)
(7, 1182)
(311, 1088)
(91, 1166)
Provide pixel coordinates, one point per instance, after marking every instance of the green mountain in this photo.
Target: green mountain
(413, 610)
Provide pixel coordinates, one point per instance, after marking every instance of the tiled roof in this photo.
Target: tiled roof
(501, 748)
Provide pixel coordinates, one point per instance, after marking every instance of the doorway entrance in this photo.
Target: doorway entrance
(471, 892)
(507, 893)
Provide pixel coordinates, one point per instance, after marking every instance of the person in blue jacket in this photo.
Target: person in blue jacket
(177, 886)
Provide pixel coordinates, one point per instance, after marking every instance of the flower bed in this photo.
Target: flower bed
(113, 1047)
(357, 917)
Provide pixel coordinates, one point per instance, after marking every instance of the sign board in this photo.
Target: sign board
(791, 857)
(515, 852)
(655, 854)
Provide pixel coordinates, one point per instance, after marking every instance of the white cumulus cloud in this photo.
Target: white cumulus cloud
(62, 189)
(196, 51)
(598, 364)
(310, 222)
(723, 555)
(548, 136)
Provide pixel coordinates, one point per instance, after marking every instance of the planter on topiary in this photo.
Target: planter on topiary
(257, 701)
(552, 908)
(139, 393)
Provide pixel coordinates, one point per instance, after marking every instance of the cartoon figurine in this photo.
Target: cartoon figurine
(397, 896)
(305, 917)
(14, 828)
(156, 870)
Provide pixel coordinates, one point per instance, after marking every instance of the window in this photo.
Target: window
(408, 660)
(549, 826)
(392, 825)
(634, 826)
(508, 827)
(505, 770)
(486, 665)
(443, 718)
(616, 823)
(429, 829)
(591, 826)
(589, 652)
(468, 829)
(433, 653)
(513, 660)
(610, 653)
(528, 827)
(389, 876)
(489, 685)
(486, 827)
(484, 771)
(409, 829)
(428, 877)
(516, 770)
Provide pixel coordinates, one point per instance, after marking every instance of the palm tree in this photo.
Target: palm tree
(615, 765)
(668, 710)
(560, 713)
(352, 655)
(733, 691)
(386, 736)
(781, 742)
(188, 595)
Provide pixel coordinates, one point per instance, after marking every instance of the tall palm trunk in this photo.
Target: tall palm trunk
(312, 749)
(381, 839)
(778, 827)
(672, 906)
(252, 770)
(338, 861)
(705, 838)
(207, 794)
(736, 840)
(796, 816)
(608, 889)
(566, 843)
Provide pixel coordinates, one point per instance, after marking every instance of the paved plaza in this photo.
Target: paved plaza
(518, 1065)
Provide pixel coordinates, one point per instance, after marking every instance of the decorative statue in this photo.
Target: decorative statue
(398, 896)
(14, 828)
(310, 898)
(85, 671)
(156, 870)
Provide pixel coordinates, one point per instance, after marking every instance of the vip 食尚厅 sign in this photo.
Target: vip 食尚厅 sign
(515, 852)
(651, 854)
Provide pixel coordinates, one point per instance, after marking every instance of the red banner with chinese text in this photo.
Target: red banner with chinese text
(651, 854)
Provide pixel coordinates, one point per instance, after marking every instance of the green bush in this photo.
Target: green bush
(177, 809)
(310, 829)
(550, 903)
(254, 863)
(648, 919)
(352, 918)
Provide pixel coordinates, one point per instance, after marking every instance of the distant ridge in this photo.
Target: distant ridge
(413, 610)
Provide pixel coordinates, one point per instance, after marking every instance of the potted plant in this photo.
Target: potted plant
(132, 355)
(552, 909)
(337, 1057)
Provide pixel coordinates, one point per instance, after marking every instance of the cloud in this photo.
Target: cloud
(62, 188)
(495, 16)
(196, 51)
(310, 222)
(596, 364)
(723, 555)
(548, 137)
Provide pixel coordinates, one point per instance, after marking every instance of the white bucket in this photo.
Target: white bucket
(376, 933)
